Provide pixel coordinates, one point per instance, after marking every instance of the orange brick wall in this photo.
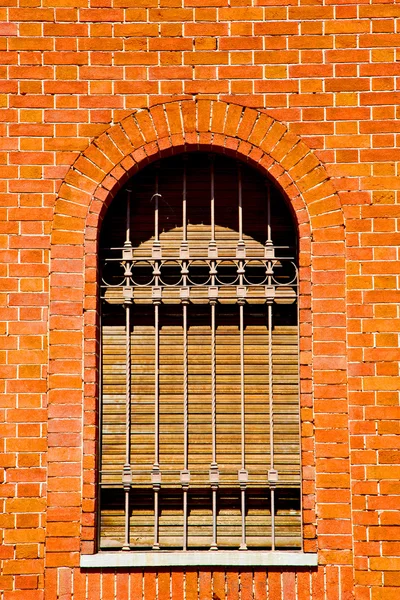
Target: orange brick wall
(320, 83)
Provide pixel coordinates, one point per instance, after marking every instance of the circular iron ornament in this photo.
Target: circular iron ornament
(199, 264)
(289, 273)
(170, 268)
(142, 273)
(231, 267)
(110, 272)
(257, 278)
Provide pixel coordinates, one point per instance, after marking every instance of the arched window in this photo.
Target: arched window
(199, 361)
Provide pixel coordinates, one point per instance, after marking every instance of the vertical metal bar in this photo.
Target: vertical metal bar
(213, 302)
(156, 337)
(270, 378)
(242, 399)
(185, 517)
(127, 466)
(184, 250)
(271, 474)
(241, 249)
(269, 246)
(156, 196)
(212, 245)
(128, 242)
(241, 302)
(156, 250)
(214, 545)
(272, 490)
(241, 293)
(243, 545)
(156, 474)
(185, 475)
(213, 386)
(156, 544)
(269, 231)
(270, 293)
(156, 386)
(184, 207)
(213, 298)
(185, 387)
(127, 472)
(212, 200)
(184, 254)
(243, 476)
(240, 203)
(185, 301)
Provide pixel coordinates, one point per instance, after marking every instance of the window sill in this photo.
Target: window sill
(105, 560)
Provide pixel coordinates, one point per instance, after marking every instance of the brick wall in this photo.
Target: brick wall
(320, 83)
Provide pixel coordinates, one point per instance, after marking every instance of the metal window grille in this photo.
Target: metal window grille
(199, 369)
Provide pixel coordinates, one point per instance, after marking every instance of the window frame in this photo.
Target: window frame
(230, 552)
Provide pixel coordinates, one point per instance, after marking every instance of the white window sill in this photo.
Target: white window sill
(105, 560)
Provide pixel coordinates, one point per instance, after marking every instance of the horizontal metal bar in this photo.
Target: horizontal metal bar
(205, 485)
(113, 248)
(176, 258)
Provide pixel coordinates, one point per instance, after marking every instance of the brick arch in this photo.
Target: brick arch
(88, 188)
(164, 129)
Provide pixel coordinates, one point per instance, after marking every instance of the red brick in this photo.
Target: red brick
(191, 588)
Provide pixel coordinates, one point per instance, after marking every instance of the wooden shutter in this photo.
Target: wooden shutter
(286, 438)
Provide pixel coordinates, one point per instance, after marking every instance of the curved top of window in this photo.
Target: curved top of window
(200, 206)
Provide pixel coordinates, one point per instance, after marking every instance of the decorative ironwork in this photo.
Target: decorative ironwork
(279, 274)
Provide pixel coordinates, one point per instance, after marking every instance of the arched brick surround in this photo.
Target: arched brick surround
(88, 188)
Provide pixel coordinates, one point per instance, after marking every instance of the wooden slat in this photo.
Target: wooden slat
(228, 423)
(171, 382)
